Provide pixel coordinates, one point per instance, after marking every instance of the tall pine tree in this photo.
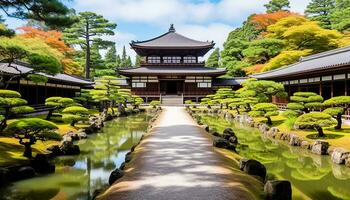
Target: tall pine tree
(340, 16)
(277, 5)
(88, 31)
(213, 60)
(111, 57)
(320, 10)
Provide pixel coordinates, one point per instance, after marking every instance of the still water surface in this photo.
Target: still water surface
(77, 177)
(312, 176)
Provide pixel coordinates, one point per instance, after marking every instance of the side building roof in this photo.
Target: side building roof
(328, 60)
(18, 68)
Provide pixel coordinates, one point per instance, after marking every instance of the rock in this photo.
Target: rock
(347, 162)
(25, 173)
(305, 144)
(69, 148)
(272, 132)
(294, 140)
(263, 128)
(339, 155)
(4, 176)
(82, 135)
(91, 129)
(278, 190)
(122, 166)
(42, 165)
(128, 157)
(228, 132)
(67, 138)
(96, 193)
(255, 168)
(55, 150)
(231, 147)
(320, 147)
(242, 163)
(216, 134)
(233, 140)
(220, 142)
(72, 136)
(115, 175)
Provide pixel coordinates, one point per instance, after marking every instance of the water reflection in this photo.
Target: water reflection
(315, 176)
(77, 177)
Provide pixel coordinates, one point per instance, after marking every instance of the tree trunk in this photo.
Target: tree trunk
(339, 121)
(269, 122)
(73, 122)
(248, 108)
(87, 55)
(27, 150)
(237, 109)
(3, 123)
(319, 130)
(49, 115)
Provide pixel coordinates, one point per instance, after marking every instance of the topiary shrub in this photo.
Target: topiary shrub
(154, 103)
(339, 105)
(317, 120)
(11, 103)
(303, 102)
(58, 103)
(28, 131)
(266, 110)
(74, 114)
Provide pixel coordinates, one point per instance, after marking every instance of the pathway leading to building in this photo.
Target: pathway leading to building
(177, 162)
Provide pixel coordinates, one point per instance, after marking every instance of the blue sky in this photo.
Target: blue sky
(198, 19)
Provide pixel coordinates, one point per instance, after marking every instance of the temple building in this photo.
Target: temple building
(171, 68)
(327, 74)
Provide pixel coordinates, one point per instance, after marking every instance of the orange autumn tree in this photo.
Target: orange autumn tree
(54, 40)
(262, 21)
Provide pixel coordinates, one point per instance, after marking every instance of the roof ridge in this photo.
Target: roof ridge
(325, 53)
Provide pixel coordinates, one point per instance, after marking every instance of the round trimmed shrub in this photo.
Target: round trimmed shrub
(30, 125)
(9, 94)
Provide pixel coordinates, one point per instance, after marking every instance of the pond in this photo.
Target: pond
(77, 177)
(312, 176)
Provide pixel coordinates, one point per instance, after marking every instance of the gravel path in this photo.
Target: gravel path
(177, 161)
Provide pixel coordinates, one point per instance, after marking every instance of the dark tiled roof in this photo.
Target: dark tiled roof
(229, 81)
(171, 39)
(24, 69)
(318, 62)
(172, 70)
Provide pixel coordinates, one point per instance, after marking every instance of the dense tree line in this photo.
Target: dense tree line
(280, 37)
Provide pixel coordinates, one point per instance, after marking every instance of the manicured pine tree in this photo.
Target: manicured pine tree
(277, 5)
(303, 102)
(337, 105)
(317, 120)
(213, 60)
(266, 110)
(87, 31)
(320, 10)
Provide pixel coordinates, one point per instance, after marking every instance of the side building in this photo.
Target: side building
(171, 68)
(327, 74)
(35, 93)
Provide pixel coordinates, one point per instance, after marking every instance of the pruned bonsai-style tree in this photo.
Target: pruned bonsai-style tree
(317, 120)
(28, 131)
(338, 106)
(58, 103)
(136, 101)
(11, 103)
(223, 96)
(154, 103)
(266, 110)
(303, 102)
(74, 114)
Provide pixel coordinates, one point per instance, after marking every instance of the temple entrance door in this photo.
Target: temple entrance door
(171, 87)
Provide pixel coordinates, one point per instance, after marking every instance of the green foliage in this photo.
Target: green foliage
(154, 103)
(320, 11)
(30, 126)
(59, 102)
(9, 94)
(261, 51)
(337, 101)
(36, 78)
(263, 90)
(334, 111)
(213, 60)
(277, 5)
(285, 58)
(340, 16)
(290, 121)
(44, 63)
(88, 32)
(22, 109)
(236, 68)
(53, 12)
(315, 119)
(264, 110)
(50, 135)
(74, 114)
(303, 102)
(188, 102)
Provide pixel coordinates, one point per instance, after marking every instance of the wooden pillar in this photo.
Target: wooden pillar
(346, 85)
(332, 88)
(320, 89)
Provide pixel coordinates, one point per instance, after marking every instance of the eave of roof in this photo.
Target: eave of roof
(172, 70)
(229, 81)
(24, 69)
(315, 63)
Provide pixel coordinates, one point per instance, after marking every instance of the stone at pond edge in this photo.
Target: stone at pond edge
(347, 162)
(216, 134)
(55, 150)
(254, 167)
(42, 165)
(25, 173)
(115, 175)
(128, 157)
(278, 190)
(242, 163)
(305, 144)
(294, 140)
(220, 142)
(122, 166)
(320, 147)
(69, 148)
(339, 155)
(4, 176)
